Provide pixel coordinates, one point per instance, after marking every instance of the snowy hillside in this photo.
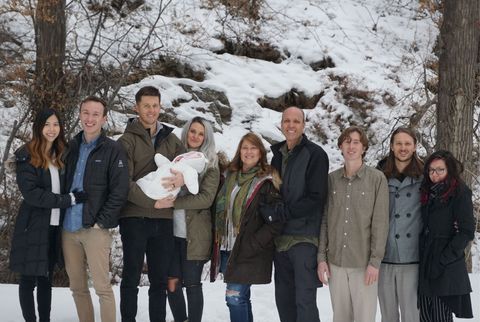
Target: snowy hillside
(359, 62)
(373, 53)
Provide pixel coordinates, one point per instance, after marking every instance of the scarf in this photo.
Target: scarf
(437, 189)
(244, 182)
(443, 190)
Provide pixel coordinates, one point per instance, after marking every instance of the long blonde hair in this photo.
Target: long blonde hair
(208, 145)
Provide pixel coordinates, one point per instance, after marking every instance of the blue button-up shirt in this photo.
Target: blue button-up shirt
(74, 214)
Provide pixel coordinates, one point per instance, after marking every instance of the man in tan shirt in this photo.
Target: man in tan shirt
(354, 231)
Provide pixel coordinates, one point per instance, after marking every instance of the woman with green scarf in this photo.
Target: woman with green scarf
(245, 239)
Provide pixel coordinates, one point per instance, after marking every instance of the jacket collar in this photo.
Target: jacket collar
(276, 147)
(135, 127)
(79, 137)
(22, 154)
(408, 181)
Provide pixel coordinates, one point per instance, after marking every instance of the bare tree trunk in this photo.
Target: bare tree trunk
(459, 39)
(50, 38)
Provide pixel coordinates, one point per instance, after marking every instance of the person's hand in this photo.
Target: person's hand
(371, 275)
(272, 208)
(173, 182)
(455, 226)
(323, 272)
(80, 196)
(272, 213)
(166, 202)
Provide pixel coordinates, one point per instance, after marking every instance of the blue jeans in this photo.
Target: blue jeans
(237, 296)
(238, 302)
(223, 261)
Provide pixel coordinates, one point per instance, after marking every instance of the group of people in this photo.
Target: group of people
(397, 232)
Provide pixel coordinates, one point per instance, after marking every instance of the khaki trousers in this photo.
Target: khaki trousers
(397, 290)
(352, 300)
(89, 247)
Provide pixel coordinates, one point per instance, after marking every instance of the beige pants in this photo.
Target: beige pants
(89, 247)
(352, 300)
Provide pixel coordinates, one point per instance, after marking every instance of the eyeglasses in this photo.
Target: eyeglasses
(438, 171)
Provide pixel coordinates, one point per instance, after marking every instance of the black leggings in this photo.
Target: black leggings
(44, 297)
(44, 286)
(190, 274)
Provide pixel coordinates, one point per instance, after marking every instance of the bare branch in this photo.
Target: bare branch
(16, 126)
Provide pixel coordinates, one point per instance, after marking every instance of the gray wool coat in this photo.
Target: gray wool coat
(405, 221)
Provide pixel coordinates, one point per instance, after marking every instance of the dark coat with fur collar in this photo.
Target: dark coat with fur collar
(251, 258)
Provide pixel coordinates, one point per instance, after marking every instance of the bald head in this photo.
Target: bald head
(293, 125)
(293, 110)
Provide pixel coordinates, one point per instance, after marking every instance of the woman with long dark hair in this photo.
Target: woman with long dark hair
(245, 238)
(35, 245)
(447, 213)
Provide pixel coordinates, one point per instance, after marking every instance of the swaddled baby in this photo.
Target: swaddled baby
(190, 164)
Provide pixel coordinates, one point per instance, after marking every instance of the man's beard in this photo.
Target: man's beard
(404, 161)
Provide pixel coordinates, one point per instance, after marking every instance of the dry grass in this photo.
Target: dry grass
(245, 8)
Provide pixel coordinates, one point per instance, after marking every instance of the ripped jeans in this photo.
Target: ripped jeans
(238, 302)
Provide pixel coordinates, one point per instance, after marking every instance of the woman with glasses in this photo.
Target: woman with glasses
(447, 213)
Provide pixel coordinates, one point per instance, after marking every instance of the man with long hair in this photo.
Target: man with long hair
(398, 280)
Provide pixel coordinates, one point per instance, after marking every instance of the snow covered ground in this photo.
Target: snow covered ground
(264, 310)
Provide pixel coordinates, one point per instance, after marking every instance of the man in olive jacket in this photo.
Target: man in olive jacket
(303, 166)
(145, 229)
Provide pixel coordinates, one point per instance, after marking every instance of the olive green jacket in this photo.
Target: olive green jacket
(140, 153)
(198, 216)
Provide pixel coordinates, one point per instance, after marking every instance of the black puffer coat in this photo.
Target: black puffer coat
(250, 261)
(29, 251)
(443, 270)
(105, 180)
